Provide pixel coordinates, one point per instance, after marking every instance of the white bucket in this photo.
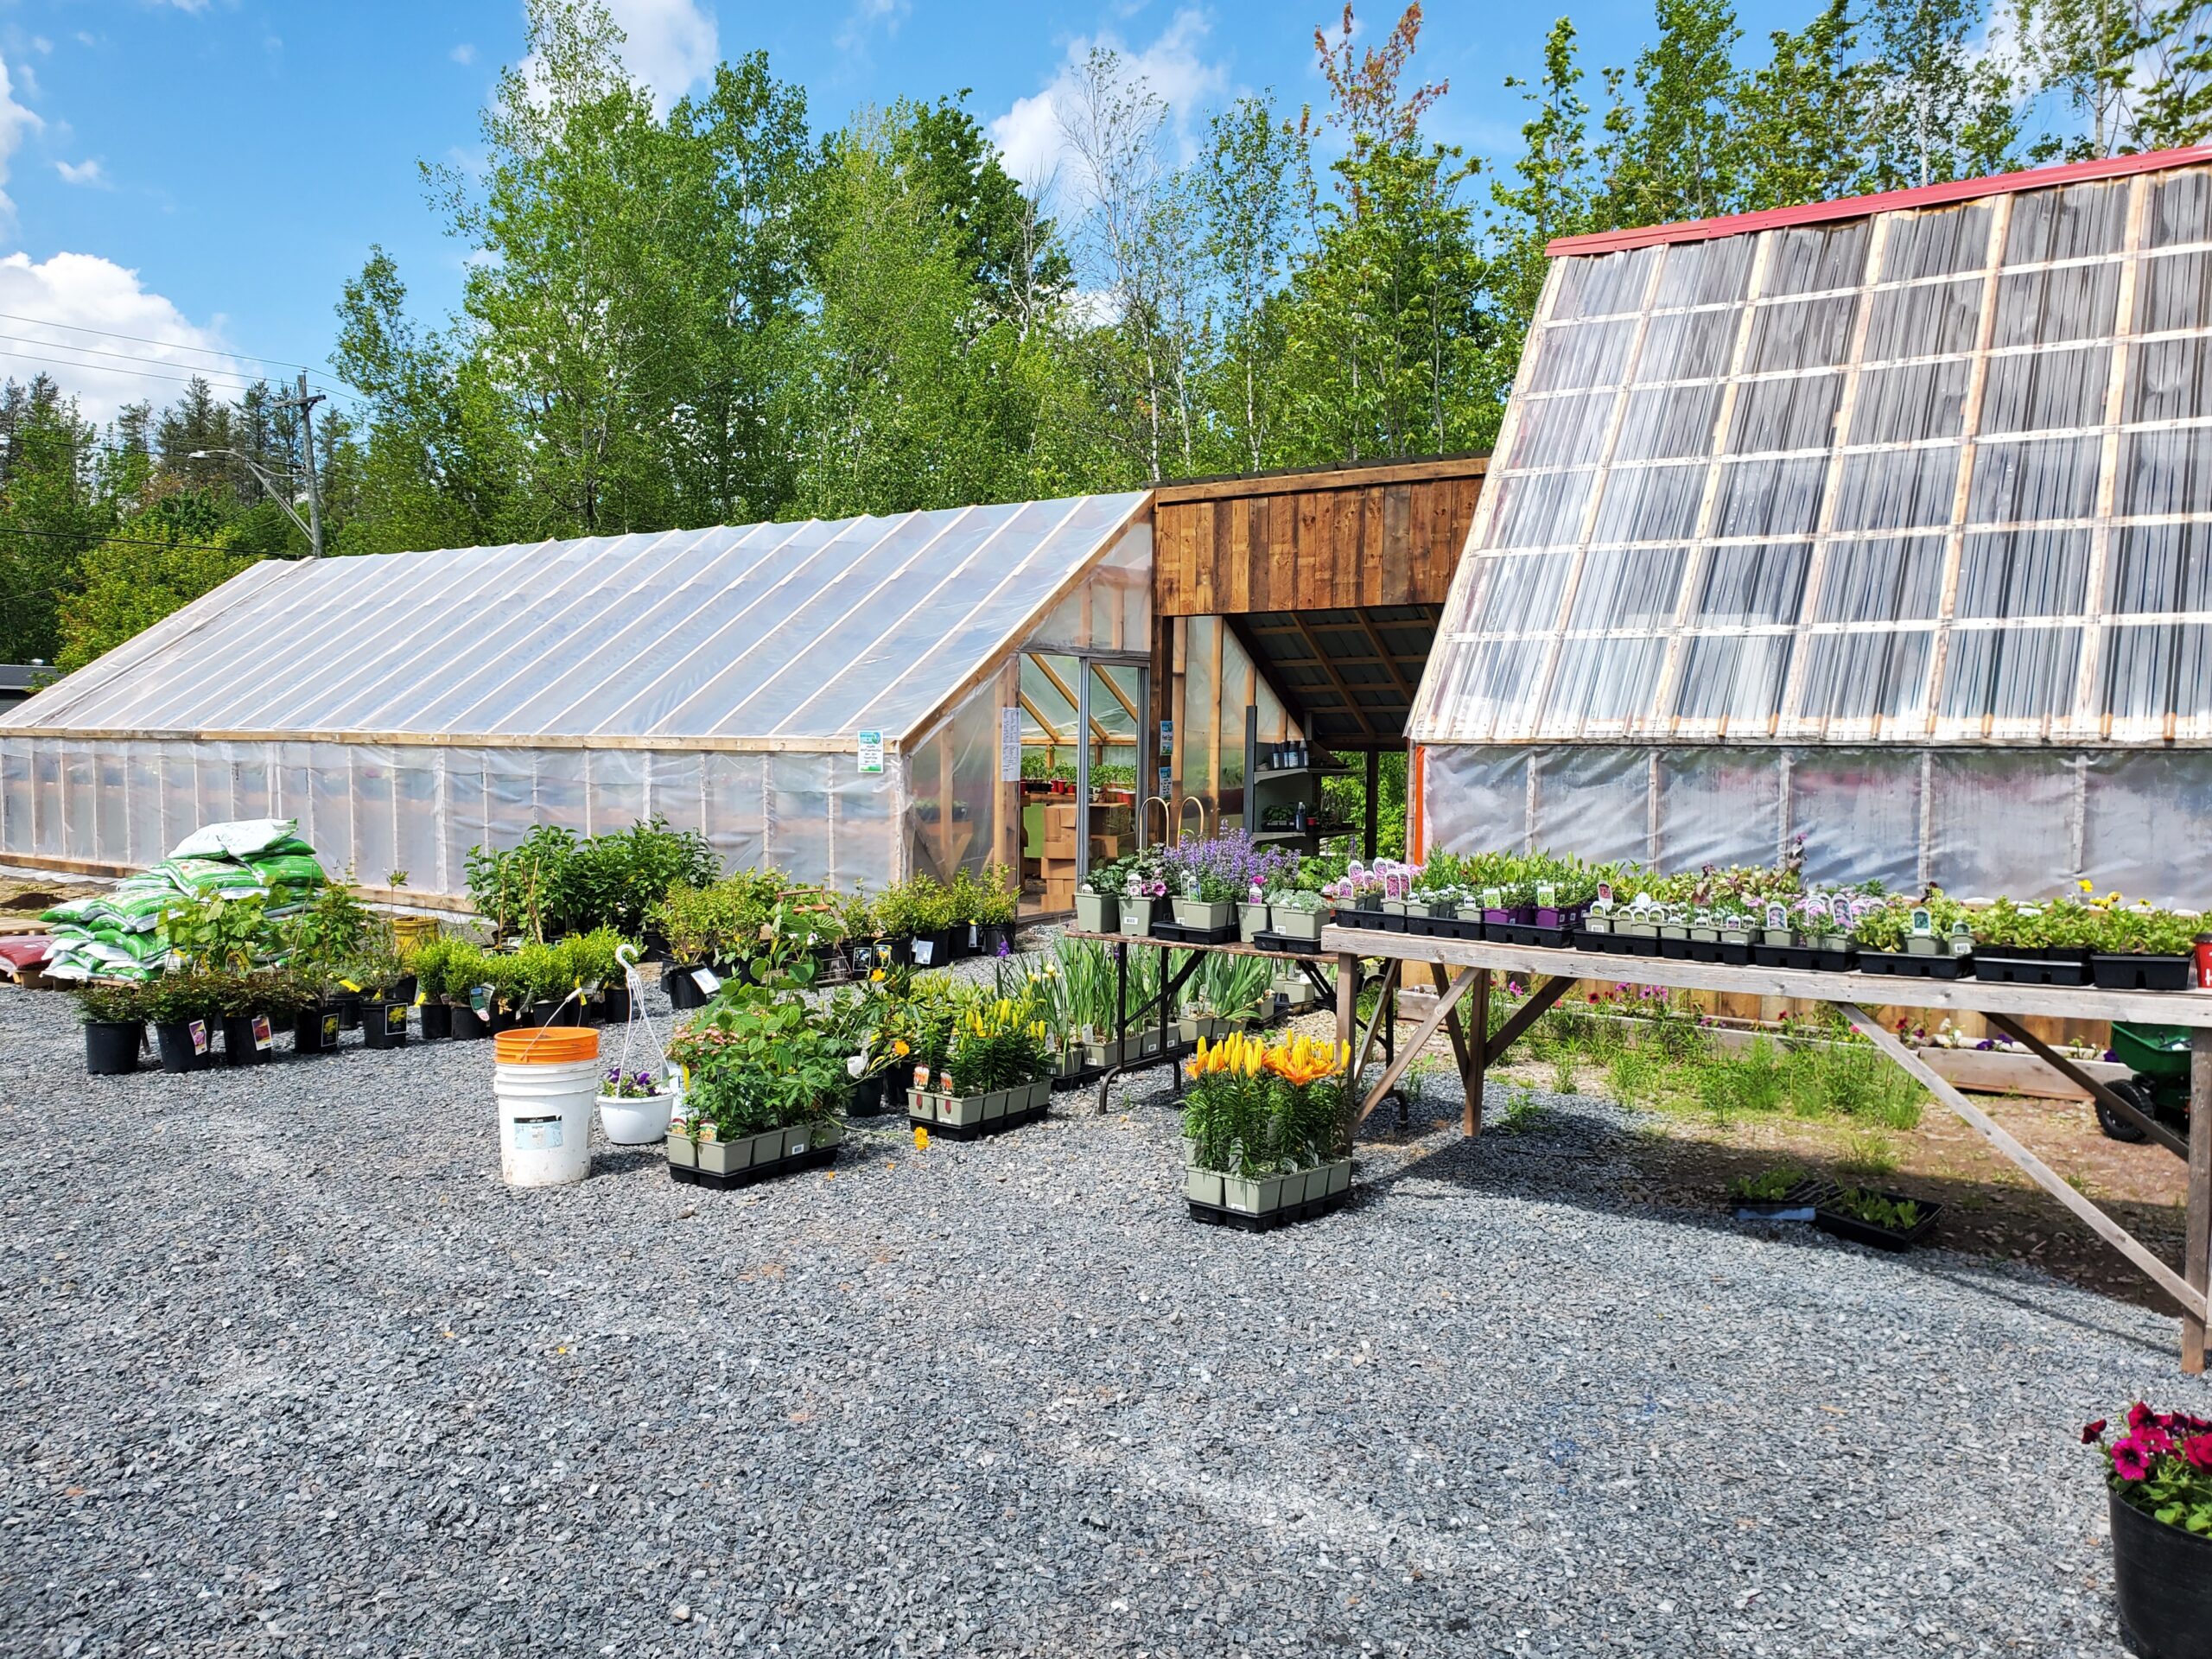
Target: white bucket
(545, 1121)
(636, 1122)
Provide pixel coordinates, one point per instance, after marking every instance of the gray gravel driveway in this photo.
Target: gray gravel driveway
(288, 1371)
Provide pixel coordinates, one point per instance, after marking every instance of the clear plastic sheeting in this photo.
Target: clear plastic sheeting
(385, 808)
(1927, 476)
(1977, 822)
(794, 631)
(409, 707)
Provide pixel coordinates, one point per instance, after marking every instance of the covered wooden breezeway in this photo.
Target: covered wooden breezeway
(1317, 591)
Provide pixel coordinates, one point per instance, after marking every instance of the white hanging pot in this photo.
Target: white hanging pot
(636, 1121)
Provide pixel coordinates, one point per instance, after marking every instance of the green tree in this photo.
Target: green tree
(154, 563)
(50, 513)
(1247, 205)
(1677, 154)
(1385, 340)
(1800, 118)
(1939, 110)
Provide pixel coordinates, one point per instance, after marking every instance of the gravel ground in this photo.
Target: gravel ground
(290, 1372)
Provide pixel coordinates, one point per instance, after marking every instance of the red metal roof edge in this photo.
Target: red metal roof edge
(1927, 195)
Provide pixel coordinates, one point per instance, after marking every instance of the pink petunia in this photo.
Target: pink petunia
(2155, 1439)
(2138, 1415)
(2092, 1433)
(2130, 1461)
(2197, 1452)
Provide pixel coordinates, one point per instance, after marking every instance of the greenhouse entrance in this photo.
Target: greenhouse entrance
(1080, 718)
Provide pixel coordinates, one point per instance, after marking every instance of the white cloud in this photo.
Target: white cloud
(463, 54)
(1030, 135)
(865, 16)
(15, 121)
(672, 45)
(194, 6)
(71, 293)
(87, 172)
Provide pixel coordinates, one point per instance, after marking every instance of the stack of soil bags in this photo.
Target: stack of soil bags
(117, 934)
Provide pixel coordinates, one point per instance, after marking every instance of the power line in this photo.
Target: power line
(144, 340)
(143, 374)
(94, 351)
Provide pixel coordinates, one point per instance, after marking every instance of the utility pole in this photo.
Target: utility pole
(306, 404)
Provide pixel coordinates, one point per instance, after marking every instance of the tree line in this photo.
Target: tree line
(711, 314)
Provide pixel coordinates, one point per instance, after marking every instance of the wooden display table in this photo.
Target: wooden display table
(1470, 964)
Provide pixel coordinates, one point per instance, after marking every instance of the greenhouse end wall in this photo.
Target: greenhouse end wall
(382, 808)
(1977, 822)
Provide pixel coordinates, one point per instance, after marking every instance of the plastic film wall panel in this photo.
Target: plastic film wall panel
(1976, 823)
(1920, 406)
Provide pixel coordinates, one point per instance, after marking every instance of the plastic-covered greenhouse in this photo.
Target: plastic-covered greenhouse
(828, 698)
(1887, 521)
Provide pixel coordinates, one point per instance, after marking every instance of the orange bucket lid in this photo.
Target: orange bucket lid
(545, 1045)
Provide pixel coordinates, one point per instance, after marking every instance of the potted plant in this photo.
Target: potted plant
(997, 906)
(386, 991)
(115, 1027)
(1268, 1128)
(1252, 918)
(469, 990)
(1098, 900)
(433, 960)
(764, 1077)
(2147, 949)
(1144, 893)
(1206, 900)
(183, 1008)
(2158, 1495)
(1298, 915)
(633, 1107)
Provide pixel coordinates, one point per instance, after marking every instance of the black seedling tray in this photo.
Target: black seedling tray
(1215, 1215)
(966, 1132)
(1903, 964)
(2130, 972)
(1864, 1233)
(1736, 955)
(813, 1158)
(2002, 969)
(1174, 934)
(1798, 1203)
(1282, 942)
(1803, 956)
(1555, 938)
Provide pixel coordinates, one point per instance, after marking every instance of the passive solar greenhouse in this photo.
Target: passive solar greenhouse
(835, 700)
(1885, 522)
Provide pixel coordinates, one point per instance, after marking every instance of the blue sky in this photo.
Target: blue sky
(206, 174)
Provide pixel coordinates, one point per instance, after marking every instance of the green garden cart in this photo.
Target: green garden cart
(2157, 1058)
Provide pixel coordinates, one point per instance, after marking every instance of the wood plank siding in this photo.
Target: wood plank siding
(1342, 538)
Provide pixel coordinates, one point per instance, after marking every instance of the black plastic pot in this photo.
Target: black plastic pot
(347, 1005)
(383, 1022)
(929, 949)
(684, 991)
(614, 1005)
(314, 1031)
(2134, 971)
(437, 1022)
(239, 1047)
(466, 1024)
(1910, 965)
(173, 1037)
(2163, 1577)
(554, 1011)
(2016, 966)
(111, 1047)
(866, 1098)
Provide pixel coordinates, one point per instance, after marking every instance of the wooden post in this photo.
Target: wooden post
(2198, 1269)
(1374, 788)
(1347, 1013)
(1470, 1121)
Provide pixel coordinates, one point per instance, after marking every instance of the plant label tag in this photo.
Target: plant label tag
(1546, 896)
(351, 985)
(480, 998)
(705, 980)
(1777, 917)
(1493, 899)
(1923, 925)
(1817, 905)
(922, 1078)
(870, 748)
(1604, 895)
(395, 1017)
(538, 1134)
(422, 999)
(330, 1031)
(924, 952)
(264, 1038)
(974, 941)
(197, 1030)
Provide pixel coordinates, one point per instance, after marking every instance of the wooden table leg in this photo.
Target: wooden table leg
(1470, 1121)
(2198, 1269)
(1347, 1002)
